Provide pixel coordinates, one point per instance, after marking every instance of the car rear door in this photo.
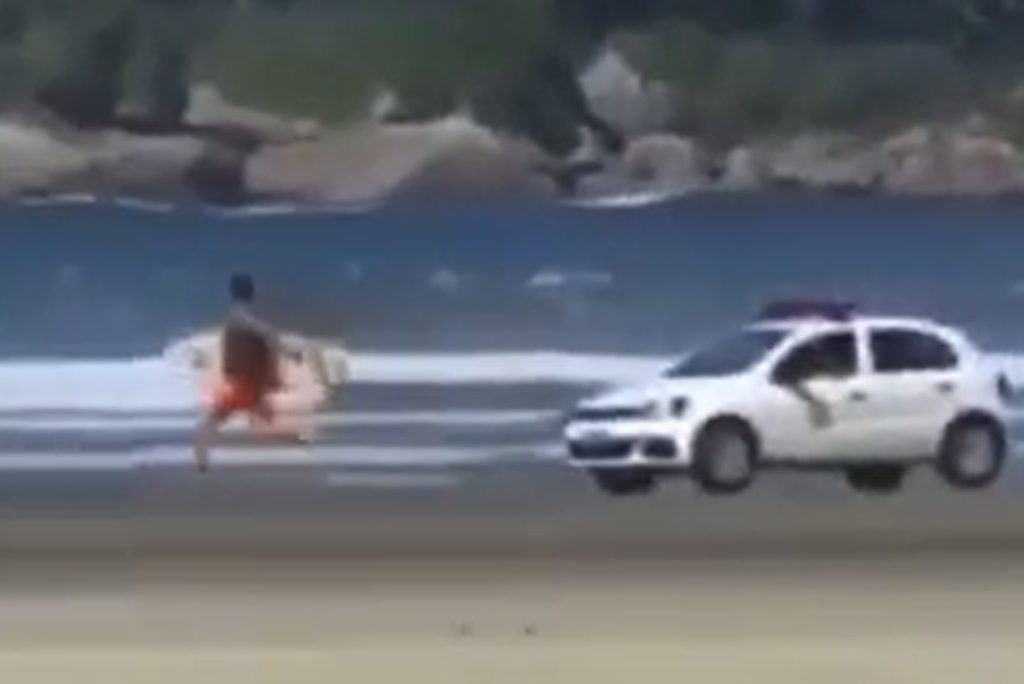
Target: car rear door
(911, 390)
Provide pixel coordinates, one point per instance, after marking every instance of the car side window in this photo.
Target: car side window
(829, 356)
(901, 351)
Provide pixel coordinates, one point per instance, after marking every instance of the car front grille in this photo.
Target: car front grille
(610, 413)
(609, 450)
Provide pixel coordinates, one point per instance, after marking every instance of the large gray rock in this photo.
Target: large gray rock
(625, 99)
(666, 163)
(33, 160)
(371, 162)
(660, 165)
(827, 162)
(41, 161)
(745, 169)
(929, 161)
(121, 163)
(209, 108)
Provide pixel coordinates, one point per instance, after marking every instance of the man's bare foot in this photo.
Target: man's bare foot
(202, 460)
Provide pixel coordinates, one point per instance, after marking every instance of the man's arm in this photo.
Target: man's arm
(821, 414)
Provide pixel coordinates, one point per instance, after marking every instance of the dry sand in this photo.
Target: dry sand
(212, 583)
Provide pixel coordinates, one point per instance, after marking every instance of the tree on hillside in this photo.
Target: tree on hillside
(87, 92)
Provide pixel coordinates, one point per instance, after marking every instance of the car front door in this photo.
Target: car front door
(814, 399)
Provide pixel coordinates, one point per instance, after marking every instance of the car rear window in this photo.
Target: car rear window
(902, 351)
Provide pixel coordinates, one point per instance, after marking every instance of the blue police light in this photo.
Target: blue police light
(808, 308)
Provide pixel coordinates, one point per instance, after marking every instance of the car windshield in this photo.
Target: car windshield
(733, 354)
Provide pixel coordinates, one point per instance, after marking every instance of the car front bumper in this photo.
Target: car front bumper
(627, 444)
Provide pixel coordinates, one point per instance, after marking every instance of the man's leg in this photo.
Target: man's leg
(204, 437)
(267, 423)
(224, 405)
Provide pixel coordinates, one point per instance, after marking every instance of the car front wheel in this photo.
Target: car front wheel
(725, 457)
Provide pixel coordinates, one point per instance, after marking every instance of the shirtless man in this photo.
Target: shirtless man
(250, 349)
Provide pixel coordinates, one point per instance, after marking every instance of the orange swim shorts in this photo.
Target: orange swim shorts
(234, 396)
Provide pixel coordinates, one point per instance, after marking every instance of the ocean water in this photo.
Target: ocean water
(473, 326)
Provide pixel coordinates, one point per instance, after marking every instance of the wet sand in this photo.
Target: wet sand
(518, 575)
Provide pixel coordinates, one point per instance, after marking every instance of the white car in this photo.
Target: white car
(810, 385)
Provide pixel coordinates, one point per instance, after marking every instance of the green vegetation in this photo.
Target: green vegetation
(328, 63)
(739, 67)
(732, 88)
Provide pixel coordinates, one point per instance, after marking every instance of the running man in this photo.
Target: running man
(250, 353)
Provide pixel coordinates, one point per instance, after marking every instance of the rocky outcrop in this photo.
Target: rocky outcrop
(177, 167)
(663, 165)
(833, 163)
(965, 161)
(455, 155)
(371, 162)
(208, 108)
(745, 169)
(619, 95)
(666, 163)
(35, 160)
(32, 160)
(927, 161)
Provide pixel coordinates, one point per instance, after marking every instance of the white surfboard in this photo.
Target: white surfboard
(309, 378)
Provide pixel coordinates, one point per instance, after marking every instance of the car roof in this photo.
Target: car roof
(812, 324)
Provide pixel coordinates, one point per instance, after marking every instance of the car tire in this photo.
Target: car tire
(725, 457)
(618, 482)
(972, 453)
(881, 478)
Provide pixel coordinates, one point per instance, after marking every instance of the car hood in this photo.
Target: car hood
(642, 394)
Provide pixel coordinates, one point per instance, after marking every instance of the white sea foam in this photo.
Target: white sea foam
(627, 200)
(59, 200)
(555, 279)
(269, 209)
(157, 384)
(148, 206)
(503, 368)
(135, 423)
(252, 456)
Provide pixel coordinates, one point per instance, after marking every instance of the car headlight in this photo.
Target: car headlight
(674, 408)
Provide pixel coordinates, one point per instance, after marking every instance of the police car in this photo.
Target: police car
(807, 385)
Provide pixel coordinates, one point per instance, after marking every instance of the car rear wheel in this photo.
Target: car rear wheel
(725, 457)
(624, 482)
(876, 478)
(972, 454)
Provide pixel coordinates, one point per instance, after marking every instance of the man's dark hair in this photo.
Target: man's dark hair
(242, 288)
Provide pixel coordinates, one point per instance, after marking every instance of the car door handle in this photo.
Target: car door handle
(858, 396)
(945, 387)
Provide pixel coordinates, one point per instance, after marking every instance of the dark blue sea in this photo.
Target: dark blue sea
(539, 302)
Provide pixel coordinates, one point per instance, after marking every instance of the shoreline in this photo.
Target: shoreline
(625, 202)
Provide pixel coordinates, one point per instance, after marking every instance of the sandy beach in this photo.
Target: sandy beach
(523, 574)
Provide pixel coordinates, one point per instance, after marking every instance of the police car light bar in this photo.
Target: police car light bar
(808, 308)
